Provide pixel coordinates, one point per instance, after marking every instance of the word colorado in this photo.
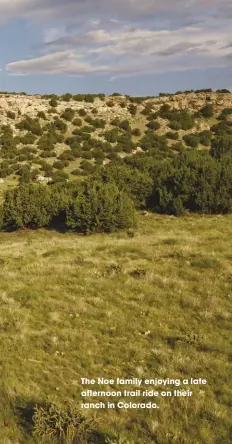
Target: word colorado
(120, 405)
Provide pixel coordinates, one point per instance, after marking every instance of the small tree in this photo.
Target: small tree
(82, 112)
(136, 132)
(153, 125)
(60, 176)
(174, 125)
(28, 206)
(101, 208)
(53, 102)
(68, 114)
(41, 115)
(66, 97)
(77, 122)
(207, 111)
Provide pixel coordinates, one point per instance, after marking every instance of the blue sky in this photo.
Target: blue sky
(136, 47)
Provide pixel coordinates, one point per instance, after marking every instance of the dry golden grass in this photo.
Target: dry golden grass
(157, 304)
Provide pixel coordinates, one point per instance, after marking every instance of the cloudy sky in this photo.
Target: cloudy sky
(136, 47)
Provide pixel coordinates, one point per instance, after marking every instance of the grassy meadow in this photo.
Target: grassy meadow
(155, 304)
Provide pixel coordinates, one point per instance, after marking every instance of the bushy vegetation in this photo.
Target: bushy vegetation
(64, 425)
(150, 178)
(94, 206)
(31, 125)
(179, 119)
(163, 298)
(68, 114)
(207, 111)
(101, 207)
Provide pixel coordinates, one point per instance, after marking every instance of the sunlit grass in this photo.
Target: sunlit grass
(157, 304)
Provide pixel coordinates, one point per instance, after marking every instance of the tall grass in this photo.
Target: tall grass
(155, 304)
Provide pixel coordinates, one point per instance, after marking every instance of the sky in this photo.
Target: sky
(134, 47)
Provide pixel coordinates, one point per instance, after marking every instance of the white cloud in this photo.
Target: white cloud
(65, 62)
(123, 9)
(108, 46)
(153, 50)
(52, 34)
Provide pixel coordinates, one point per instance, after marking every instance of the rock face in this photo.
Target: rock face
(137, 150)
(42, 179)
(31, 105)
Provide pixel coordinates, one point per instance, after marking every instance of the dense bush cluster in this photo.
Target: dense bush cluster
(90, 207)
(170, 175)
(31, 125)
(178, 119)
(195, 182)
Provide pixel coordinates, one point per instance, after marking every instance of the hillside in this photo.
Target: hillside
(50, 138)
(155, 305)
(99, 279)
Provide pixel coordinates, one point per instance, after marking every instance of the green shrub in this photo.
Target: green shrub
(123, 104)
(138, 185)
(53, 102)
(125, 125)
(89, 98)
(172, 135)
(68, 114)
(132, 109)
(52, 111)
(98, 123)
(113, 156)
(207, 111)
(66, 97)
(116, 121)
(147, 109)
(174, 125)
(222, 129)
(87, 166)
(179, 147)
(30, 124)
(82, 112)
(227, 111)
(10, 114)
(66, 155)
(111, 136)
(153, 125)
(88, 155)
(76, 172)
(41, 115)
(220, 146)
(59, 125)
(205, 137)
(192, 140)
(101, 208)
(77, 122)
(27, 206)
(60, 165)
(60, 176)
(136, 132)
(28, 139)
(87, 129)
